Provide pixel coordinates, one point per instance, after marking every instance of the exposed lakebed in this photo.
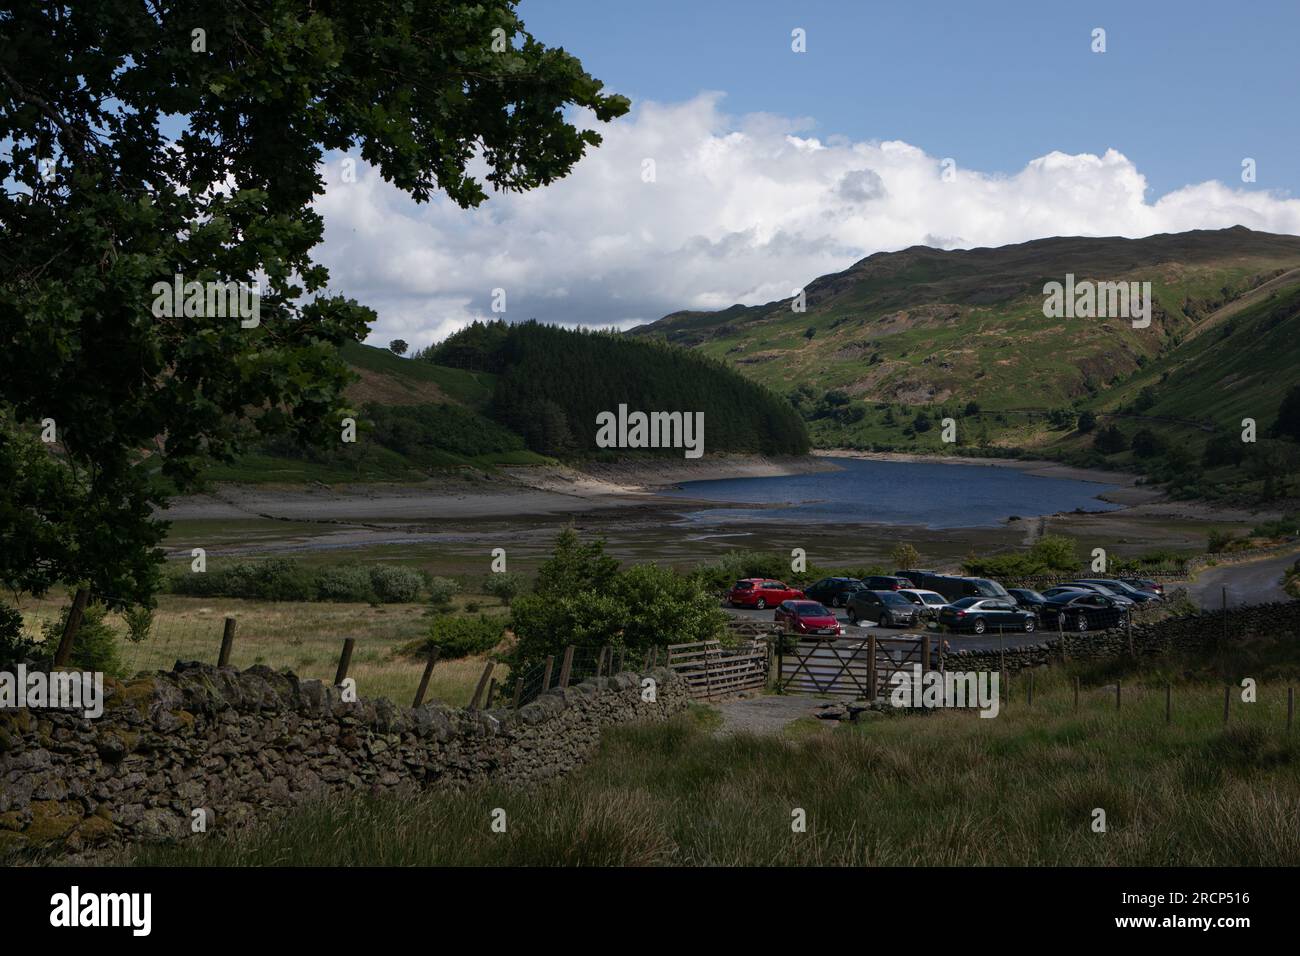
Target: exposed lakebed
(920, 494)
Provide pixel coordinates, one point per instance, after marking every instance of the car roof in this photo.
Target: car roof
(921, 591)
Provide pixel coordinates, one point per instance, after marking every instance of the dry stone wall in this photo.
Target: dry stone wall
(1187, 633)
(237, 744)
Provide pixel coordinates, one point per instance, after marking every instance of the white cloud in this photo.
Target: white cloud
(742, 210)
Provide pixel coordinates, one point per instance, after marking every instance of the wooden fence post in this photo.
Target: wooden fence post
(227, 642)
(434, 653)
(345, 661)
(566, 666)
(546, 674)
(70, 628)
(619, 669)
(925, 654)
(482, 683)
(871, 667)
(491, 692)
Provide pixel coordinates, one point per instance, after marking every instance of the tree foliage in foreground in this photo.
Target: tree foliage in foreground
(147, 141)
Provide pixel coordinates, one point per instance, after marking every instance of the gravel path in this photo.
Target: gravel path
(764, 715)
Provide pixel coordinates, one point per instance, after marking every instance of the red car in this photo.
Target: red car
(761, 593)
(807, 617)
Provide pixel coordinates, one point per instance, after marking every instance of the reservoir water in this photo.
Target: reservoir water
(931, 495)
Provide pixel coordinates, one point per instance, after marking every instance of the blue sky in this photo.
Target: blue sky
(1185, 90)
(774, 167)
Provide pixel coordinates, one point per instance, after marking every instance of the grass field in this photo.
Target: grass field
(305, 637)
(943, 788)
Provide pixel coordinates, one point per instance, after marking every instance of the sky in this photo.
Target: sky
(951, 124)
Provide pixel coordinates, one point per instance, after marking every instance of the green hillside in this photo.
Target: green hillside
(899, 341)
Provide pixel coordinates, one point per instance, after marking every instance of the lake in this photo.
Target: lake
(931, 495)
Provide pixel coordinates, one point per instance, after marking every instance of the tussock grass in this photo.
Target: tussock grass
(941, 788)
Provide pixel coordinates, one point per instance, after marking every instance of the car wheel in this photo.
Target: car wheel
(838, 601)
(761, 604)
(979, 625)
(1083, 623)
(1029, 625)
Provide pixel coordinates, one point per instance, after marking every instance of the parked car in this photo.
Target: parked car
(761, 593)
(1145, 584)
(886, 608)
(954, 588)
(1123, 590)
(833, 591)
(983, 614)
(884, 582)
(1082, 611)
(928, 603)
(807, 617)
(1027, 599)
(1065, 589)
(914, 575)
(1102, 589)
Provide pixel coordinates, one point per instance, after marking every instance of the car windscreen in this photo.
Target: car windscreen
(989, 588)
(932, 598)
(811, 610)
(892, 597)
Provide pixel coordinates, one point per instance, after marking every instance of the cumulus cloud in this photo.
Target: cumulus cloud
(740, 209)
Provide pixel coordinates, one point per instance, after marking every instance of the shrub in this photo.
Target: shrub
(441, 591)
(396, 585)
(348, 582)
(504, 586)
(464, 636)
(1218, 540)
(905, 556)
(15, 646)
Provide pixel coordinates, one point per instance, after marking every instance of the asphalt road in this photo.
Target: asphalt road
(1251, 582)
(853, 634)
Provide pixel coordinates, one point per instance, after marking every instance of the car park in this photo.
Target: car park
(986, 614)
(1082, 611)
(833, 592)
(807, 617)
(928, 603)
(1118, 587)
(761, 593)
(886, 608)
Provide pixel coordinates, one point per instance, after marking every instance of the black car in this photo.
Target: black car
(833, 592)
(883, 582)
(1027, 599)
(886, 608)
(914, 575)
(1082, 611)
(1145, 584)
(986, 614)
(955, 588)
(1123, 589)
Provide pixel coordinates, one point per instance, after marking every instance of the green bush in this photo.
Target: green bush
(346, 582)
(272, 579)
(504, 586)
(396, 585)
(458, 637)
(441, 591)
(15, 646)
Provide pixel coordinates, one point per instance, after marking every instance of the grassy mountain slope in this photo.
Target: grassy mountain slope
(901, 340)
(926, 326)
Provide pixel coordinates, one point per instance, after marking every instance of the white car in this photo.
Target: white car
(929, 603)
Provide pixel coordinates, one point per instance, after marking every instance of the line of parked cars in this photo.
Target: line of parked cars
(915, 598)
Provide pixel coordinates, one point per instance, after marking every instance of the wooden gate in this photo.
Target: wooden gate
(841, 669)
(711, 670)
